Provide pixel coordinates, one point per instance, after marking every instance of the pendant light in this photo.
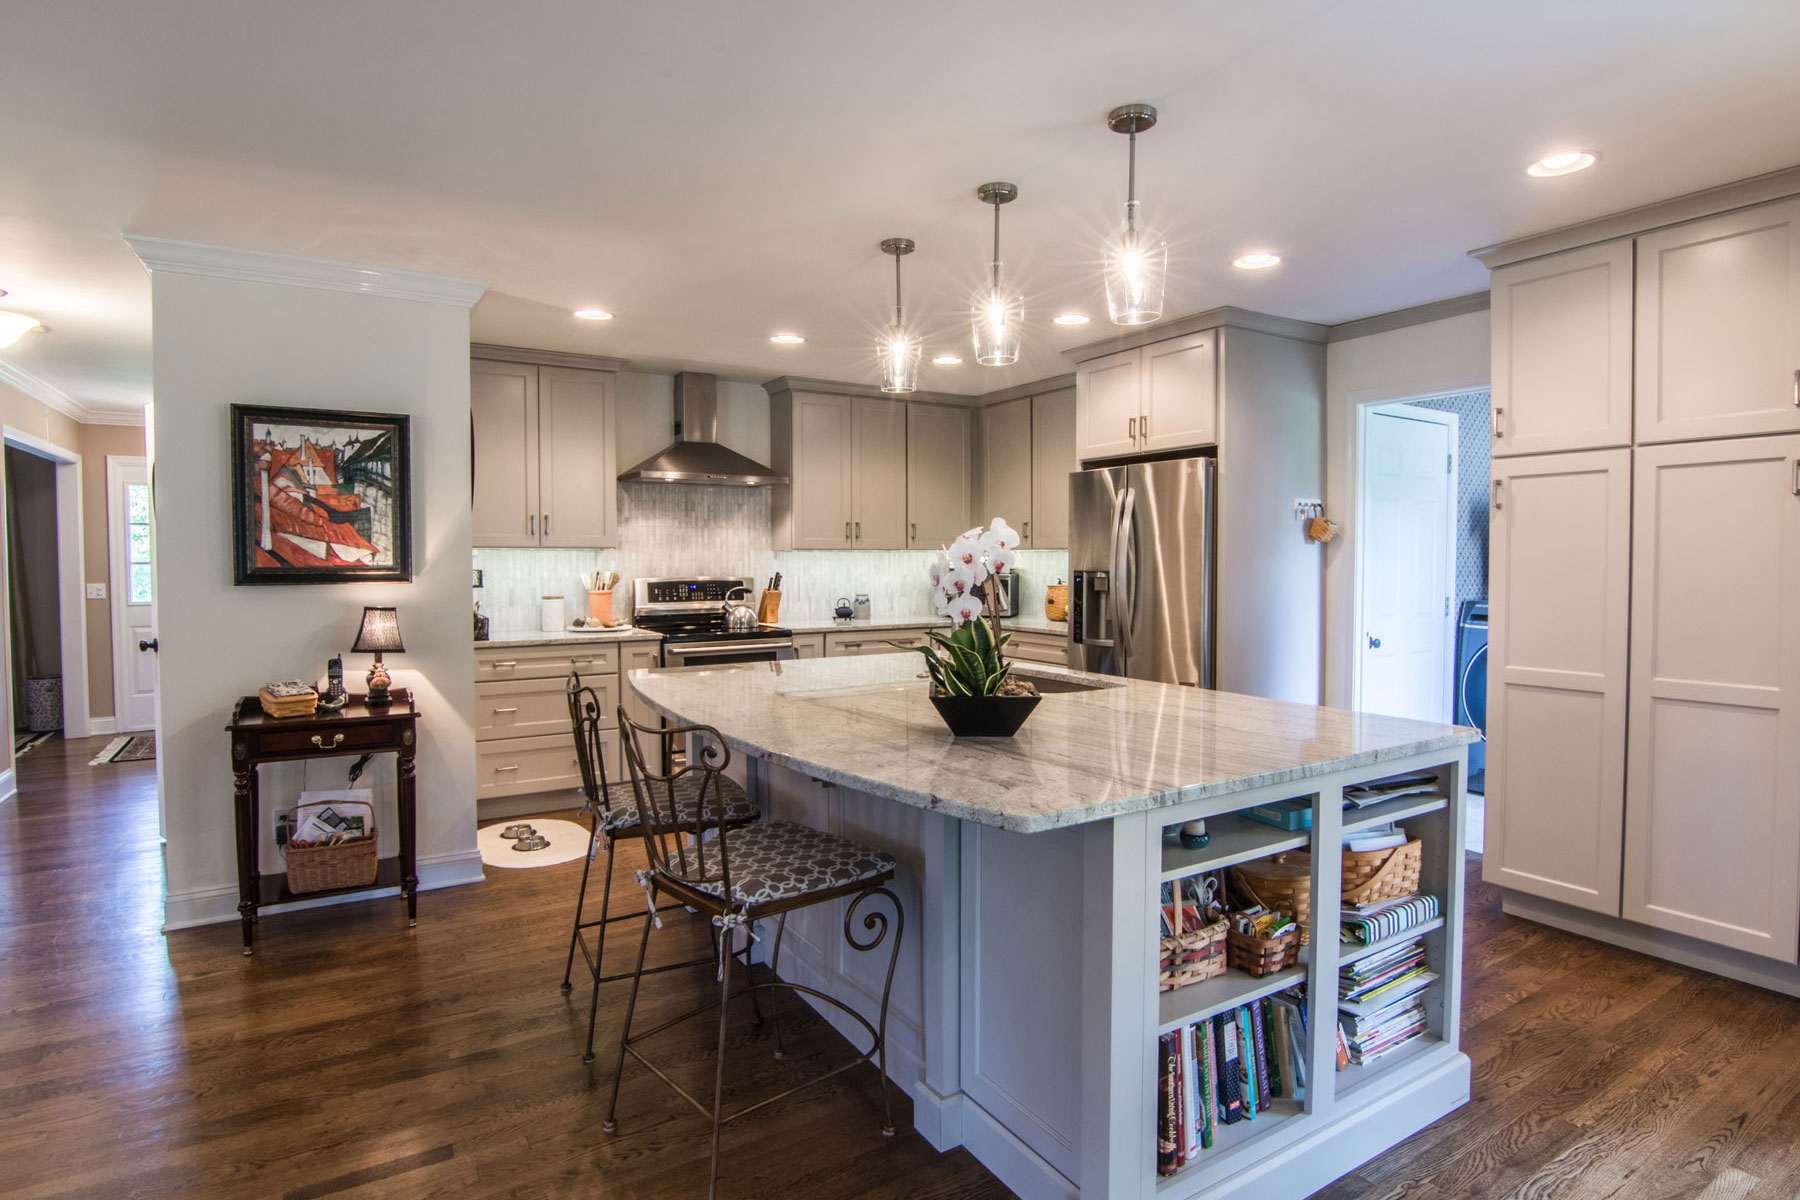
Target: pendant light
(997, 314)
(1137, 257)
(898, 351)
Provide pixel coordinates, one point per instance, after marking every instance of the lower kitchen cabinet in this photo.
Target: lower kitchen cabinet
(809, 645)
(1030, 647)
(876, 641)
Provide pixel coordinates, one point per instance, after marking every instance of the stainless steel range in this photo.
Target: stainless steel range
(690, 615)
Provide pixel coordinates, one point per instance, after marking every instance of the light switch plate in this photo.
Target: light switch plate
(96, 591)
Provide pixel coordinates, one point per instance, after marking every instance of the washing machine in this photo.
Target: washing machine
(1471, 683)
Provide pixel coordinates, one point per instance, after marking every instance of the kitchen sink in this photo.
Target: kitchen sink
(1051, 685)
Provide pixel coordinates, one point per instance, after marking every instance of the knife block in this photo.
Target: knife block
(768, 611)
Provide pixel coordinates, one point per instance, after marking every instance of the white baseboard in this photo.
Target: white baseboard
(1014, 1163)
(9, 785)
(218, 905)
(102, 726)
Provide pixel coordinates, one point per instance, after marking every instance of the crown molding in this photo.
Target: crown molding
(1419, 314)
(53, 397)
(1019, 391)
(545, 358)
(259, 266)
(1213, 318)
(830, 387)
(1759, 189)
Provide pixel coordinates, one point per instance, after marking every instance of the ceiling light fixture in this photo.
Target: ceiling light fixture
(1566, 162)
(1070, 318)
(593, 314)
(14, 326)
(998, 312)
(1137, 258)
(898, 351)
(786, 339)
(1256, 260)
(946, 360)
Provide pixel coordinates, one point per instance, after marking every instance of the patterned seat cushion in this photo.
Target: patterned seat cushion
(779, 860)
(624, 816)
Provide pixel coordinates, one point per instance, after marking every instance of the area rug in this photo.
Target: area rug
(25, 743)
(133, 747)
(568, 842)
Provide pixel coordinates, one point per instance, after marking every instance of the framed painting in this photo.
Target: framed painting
(320, 496)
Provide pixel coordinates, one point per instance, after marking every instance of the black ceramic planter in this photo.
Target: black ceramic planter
(985, 716)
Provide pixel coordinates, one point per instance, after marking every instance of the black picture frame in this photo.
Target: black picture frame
(320, 495)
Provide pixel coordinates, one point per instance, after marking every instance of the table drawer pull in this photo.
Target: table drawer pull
(513, 767)
(498, 711)
(337, 739)
(511, 662)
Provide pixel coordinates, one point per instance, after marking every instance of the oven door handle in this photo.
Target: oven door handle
(725, 648)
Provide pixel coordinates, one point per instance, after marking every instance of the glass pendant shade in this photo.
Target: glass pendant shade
(997, 316)
(1137, 263)
(898, 354)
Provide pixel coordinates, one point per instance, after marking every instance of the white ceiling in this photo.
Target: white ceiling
(716, 171)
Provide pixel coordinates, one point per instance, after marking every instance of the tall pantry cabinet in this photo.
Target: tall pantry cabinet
(1644, 580)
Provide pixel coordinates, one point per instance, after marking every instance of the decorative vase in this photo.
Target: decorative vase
(984, 716)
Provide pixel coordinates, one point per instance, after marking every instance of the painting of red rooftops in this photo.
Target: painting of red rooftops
(320, 496)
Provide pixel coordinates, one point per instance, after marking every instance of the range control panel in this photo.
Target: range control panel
(689, 591)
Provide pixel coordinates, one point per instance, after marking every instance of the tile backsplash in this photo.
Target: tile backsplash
(692, 530)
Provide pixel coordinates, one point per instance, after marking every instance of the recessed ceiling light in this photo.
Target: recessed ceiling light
(14, 326)
(1069, 319)
(593, 314)
(1256, 260)
(947, 360)
(786, 339)
(1565, 163)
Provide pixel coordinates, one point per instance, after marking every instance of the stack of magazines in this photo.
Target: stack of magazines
(1381, 1002)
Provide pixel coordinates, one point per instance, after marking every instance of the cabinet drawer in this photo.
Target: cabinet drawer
(545, 662)
(535, 707)
(351, 739)
(874, 642)
(1039, 648)
(517, 766)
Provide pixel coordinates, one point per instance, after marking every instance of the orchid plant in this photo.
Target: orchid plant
(970, 661)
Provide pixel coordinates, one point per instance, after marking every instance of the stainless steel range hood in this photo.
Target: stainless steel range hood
(696, 455)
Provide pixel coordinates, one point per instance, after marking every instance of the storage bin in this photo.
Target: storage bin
(1192, 956)
(347, 864)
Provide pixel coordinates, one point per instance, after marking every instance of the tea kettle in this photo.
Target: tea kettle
(739, 616)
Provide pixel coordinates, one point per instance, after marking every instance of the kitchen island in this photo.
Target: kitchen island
(1026, 1013)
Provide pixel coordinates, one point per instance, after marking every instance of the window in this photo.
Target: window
(137, 541)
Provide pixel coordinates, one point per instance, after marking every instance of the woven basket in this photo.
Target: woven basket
(1371, 876)
(1056, 602)
(1262, 956)
(1280, 884)
(1192, 956)
(347, 864)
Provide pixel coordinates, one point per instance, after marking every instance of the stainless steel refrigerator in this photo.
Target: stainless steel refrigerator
(1142, 560)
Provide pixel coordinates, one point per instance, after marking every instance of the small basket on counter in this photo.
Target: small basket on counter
(1261, 956)
(1192, 956)
(1056, 602)
(351, 862)
(1280, 884)
(1371, 876)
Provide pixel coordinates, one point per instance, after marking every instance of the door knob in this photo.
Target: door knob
(148, 645)
(1374, 642)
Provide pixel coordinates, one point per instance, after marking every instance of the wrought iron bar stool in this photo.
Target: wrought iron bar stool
(613, 810)
(739, 875)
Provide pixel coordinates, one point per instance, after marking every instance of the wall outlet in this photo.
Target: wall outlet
(96, 591)
(283, 822)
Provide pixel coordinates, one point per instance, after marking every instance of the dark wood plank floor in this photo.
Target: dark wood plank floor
(351, 1059)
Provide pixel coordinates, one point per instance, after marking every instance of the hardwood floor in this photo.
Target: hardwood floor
(351, 1059)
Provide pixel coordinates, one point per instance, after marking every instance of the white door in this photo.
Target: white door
(503, 413)
(1052, 462)
(1712, 810)
(1006, 466)
(1559, 568)
(578, 499)
(1180, 406)
(824, 466)
(1407, 566)
(939, 455)
(131, 546)
(879, 478)
(1108, 399)
(1718, 326)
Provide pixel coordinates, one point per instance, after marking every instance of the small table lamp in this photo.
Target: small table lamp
(380, 633)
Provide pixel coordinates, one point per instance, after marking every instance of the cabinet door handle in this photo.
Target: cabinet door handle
(514, 767)
(1797, 477)
(1144, 426)
(1496, 494)
(546, 524)
(1797, 387)
(1131, 429)
(915, 531)
(1025, 531)
(498, 711)
(846, 531)
(1498, 432)
(532, 524)
(859, 531)
(337, 739)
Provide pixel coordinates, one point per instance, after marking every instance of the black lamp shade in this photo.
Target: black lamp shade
(380, 632)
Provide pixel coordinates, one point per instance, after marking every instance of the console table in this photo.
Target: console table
(257, 738)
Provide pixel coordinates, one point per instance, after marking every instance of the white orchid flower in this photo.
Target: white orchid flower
(939, 566)
(960, 580)
(1000, 536)
(1000, 562)
(963, 609)
(965, 551)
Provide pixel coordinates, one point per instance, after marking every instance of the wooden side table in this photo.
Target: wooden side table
(257, 738)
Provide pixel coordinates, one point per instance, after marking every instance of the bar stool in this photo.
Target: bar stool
(613, 810)
(738, 876)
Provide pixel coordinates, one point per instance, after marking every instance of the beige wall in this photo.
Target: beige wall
(97, 443)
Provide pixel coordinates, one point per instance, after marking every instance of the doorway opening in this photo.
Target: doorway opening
(1421, 565)
(34, 605)
(130, 568)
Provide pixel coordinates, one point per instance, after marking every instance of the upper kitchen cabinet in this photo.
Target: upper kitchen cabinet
(1006, 462)
(1052, 461)
(939, 461)
(1562, 351)
(543, 458)
(845, 454)
(1718, 326)
(1159, 397)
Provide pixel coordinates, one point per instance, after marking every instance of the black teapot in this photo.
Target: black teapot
(843, 611)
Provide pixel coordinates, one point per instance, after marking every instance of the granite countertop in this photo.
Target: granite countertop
(534, 638)
(1129, 746)
(1024, 624)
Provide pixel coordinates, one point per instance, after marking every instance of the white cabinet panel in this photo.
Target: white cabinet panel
(503, 408)
(577, 472)
(1718, 326)
(809, 645)
(1559, 555)
(1712, 828)
(1180, 393)
(1109, 402)
(878, 480)
(1562, 351)
(1052, 460)
(939, 458)
(637, 656)
(1006, 466)
(823, 455)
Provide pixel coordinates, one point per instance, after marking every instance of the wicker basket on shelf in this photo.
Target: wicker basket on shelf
(1280, 884)
(1192, 956)
(1262, 956)
(1056, 602)
(1371, 876)
(351, 863)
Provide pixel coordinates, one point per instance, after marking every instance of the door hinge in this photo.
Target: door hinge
(1449, 463)
(1446, 606)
